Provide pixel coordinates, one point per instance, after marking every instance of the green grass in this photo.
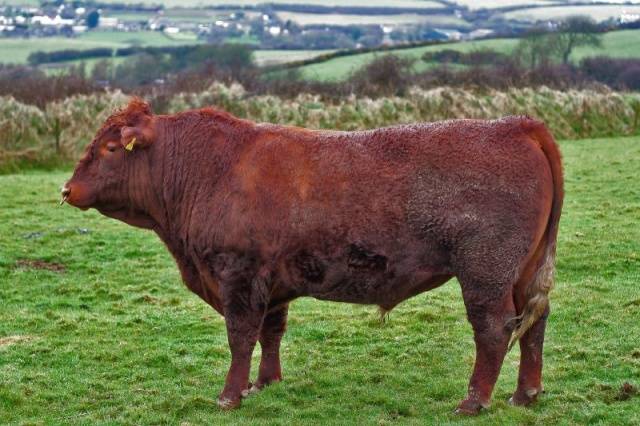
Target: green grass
(597, 12)
(621, 44)
(391, 19)
(361, 3)
(138, 38)
(16, 51)
(340, 68)
(492, 4)
(271, 57)
(117, 338)
(63, 67)
(617, 44)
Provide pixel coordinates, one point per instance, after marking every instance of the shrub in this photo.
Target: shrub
(384, 76)
(58, 133)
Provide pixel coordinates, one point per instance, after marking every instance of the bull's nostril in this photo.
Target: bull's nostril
(64, 192)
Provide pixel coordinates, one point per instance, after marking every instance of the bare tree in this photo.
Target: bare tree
(576, 31)
(540, 47)
(536, 48)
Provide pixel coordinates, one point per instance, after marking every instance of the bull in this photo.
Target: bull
(257, 215)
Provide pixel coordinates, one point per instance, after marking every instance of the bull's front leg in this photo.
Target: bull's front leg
(245, 298)
(273, 328)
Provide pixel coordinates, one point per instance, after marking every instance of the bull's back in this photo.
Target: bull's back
(400, 176)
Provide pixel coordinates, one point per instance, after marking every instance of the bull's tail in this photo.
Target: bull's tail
(537, 292)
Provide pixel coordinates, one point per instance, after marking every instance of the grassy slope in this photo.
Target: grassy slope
(597, 12)
(16, 51)
(340, 68)
(616, 44)
(446, 21)
(117, 338)
(361, 3)
(271, 57)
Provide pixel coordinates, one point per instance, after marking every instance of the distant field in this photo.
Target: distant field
(493, 4)
(399, 19)
(16, 51)
(363, 3)
(597, 12)
(341, 68)
(272, 57)
(61, 67)
(19, 2)
(139, 38)
(616, 44)
(261, 57)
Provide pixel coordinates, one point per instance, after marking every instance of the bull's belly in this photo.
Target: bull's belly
(383, 288)
(358, 275)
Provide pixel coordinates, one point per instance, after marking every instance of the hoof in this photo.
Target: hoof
(228, 403)
(261, 384)
(524, 398)
(252, 390)
(470, 407)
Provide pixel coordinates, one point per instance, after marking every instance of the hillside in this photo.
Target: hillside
(622, 44)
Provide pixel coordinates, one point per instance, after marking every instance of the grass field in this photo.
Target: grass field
(620, 44)
(362, 3)
(138, 38)
(399, 19)
(16, 51)
(272, 57)
(493, 4)
(597, 12)
(340, 68)
(95, 326)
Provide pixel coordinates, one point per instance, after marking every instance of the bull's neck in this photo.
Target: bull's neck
(144, 193)
(191, 169)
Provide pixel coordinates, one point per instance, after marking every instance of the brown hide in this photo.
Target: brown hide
(258, 214)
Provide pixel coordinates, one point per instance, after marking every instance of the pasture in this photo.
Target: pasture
(17, 50)
(390, 19)
(358, 3)
(596, 12)
(96, 327)
(617, 44)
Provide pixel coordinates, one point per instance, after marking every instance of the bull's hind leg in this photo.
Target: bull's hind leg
(490, 310)
(530, 374)
(273, 328)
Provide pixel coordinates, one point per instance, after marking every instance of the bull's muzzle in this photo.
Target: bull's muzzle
(64, 193)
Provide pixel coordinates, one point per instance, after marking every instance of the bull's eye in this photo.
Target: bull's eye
(112, 146)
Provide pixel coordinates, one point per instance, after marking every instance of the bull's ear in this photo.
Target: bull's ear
(140, 136)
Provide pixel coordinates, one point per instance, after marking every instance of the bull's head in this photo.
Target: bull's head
(114, 174)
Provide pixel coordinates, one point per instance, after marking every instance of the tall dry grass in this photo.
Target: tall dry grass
(57, 135)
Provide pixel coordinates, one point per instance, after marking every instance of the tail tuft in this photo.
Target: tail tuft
(537, 297)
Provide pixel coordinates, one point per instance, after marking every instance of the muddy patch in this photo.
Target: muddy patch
(40, 265)
(12, 340)
(626, 391)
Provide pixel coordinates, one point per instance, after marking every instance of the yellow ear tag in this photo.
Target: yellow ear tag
(130, 145)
